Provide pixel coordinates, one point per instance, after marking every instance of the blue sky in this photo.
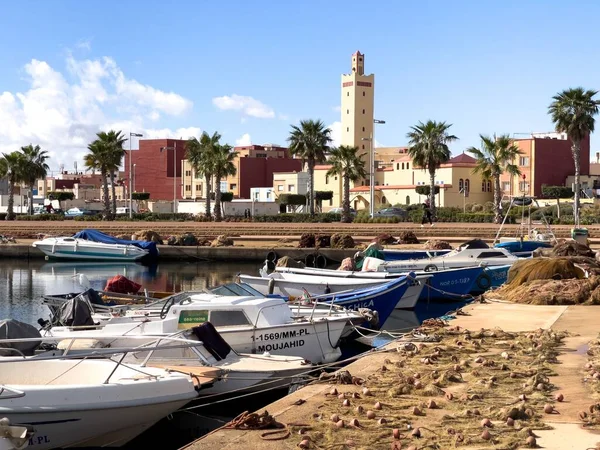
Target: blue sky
(250, 69)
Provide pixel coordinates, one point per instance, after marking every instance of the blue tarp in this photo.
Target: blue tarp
(97, 236)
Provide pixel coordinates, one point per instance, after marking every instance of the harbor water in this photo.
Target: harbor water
(23, 283)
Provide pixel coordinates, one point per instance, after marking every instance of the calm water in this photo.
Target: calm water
(22, 285)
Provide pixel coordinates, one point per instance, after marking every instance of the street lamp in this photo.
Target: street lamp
(174, 172)
(134, 177)
(131, 134)
(372, 168)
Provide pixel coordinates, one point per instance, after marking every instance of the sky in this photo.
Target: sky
(249, 70)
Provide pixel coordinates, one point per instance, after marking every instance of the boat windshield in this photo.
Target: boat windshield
(238, 289)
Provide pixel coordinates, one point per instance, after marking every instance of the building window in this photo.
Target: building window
(268, 195)
(280, 187)
(291, 187)
(330, 202)
(524, 186)
(347, 94)
(232, 186)
(408, 199)
(335, 178)
(188, 187)
(223, 186)
(402, 166)
(397, 166)
(347, 128)
(407, 166)
(363, 111)
(364, 93)
(524, 161)
(467, 185)
(506, 187)
(461, 185)
(188, 173)
(347, 111)
(326, 179)
(198, 187)
(483, 186)
(261, 155)
(363, 128)
(489, 186)
(363, 146)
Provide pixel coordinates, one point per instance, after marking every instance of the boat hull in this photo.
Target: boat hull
(401, 255)
(79, 249)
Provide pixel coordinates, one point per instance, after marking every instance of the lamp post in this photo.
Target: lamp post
(134, 177)
(372, 168)
(174, 172)
(131, 134)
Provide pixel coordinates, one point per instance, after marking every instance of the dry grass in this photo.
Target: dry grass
(446, 389)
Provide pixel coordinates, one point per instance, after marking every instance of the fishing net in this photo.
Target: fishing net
(385, 239)
(542, 269)
(408, 237)
(434, 244)
(286, 261)
(342, 241)
(572, 248)
(483, 389)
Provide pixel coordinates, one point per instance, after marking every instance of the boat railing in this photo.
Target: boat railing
(174, 342)
(12, 393)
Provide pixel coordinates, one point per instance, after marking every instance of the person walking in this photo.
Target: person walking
(426, 214)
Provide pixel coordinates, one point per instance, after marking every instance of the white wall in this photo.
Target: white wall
(234, 208)
(262, 194)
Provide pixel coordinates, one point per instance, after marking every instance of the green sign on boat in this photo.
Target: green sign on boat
(190, 319)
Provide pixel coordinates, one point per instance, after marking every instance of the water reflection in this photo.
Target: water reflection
(22, 284)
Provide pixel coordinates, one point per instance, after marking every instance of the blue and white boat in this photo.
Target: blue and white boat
(93, 245)
(451, 284)
(521, 247)
(492, 277)
(393, 254)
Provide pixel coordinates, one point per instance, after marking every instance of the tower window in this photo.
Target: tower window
(347, 111)
(407, 165)
(347, 128)
(363, 111)
(363, 128)
(402, 166)
(363, 146)
(364, 93)
(347, 94)
(397, 166)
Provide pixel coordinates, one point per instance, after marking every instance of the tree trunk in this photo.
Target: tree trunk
(497, 199)
(217, 198)
(575, 149)
(432, 191)
(207, 183)
(106, 213)
(114, 193)
(30, 209)
(311, 186)
(10, 215)
(346, 201)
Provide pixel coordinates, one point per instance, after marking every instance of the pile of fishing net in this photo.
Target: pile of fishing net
(385, 239)
(548, 281)
(286, 261)
(342, 241)
(434, 244)
(222, 241)
(408, 237)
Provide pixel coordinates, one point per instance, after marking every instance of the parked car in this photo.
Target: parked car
(339, 211)
(392, 212)
(75, 212)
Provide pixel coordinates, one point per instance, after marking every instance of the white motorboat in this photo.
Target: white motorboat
(470, 254)
(296, 284)
(82, 249)
(249, 324)
(87, 402)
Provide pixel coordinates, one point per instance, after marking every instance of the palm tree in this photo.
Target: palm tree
(35, 167)
(223, 166)
(113, 142)
(12, 166)
(346, 163)
(199, 153)
(428, 148)
(573, 112)
(97, 159)
(495, 157)
(310, 141)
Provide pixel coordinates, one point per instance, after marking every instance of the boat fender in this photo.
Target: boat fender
(310, 260)
(321, 261)
(430, 268)
(271, 286)
(484, 281)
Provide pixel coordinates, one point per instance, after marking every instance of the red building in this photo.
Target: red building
(258, 172)
(157, 172)
(545, 159)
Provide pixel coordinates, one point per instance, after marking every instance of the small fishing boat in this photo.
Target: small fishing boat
(472, 253)
(393, 254)
(296, 285)
(249, 324)
(450, 284)
(97, 246)
(88, 402)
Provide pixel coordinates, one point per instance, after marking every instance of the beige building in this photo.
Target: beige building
(290, 183)
(395, 178)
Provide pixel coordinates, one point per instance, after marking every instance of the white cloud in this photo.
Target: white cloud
(246, 105)
(336, 133)
(84, 44)
(62, 111)
(243, 141)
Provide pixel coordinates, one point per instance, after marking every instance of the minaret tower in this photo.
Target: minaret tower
(358, 93)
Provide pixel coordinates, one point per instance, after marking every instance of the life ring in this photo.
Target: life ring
(272, 256)
(430, 268)
(320, 261)
(484, 281)
(310, 260)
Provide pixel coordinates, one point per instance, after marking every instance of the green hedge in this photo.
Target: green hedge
(42, 217)
(298, 218)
